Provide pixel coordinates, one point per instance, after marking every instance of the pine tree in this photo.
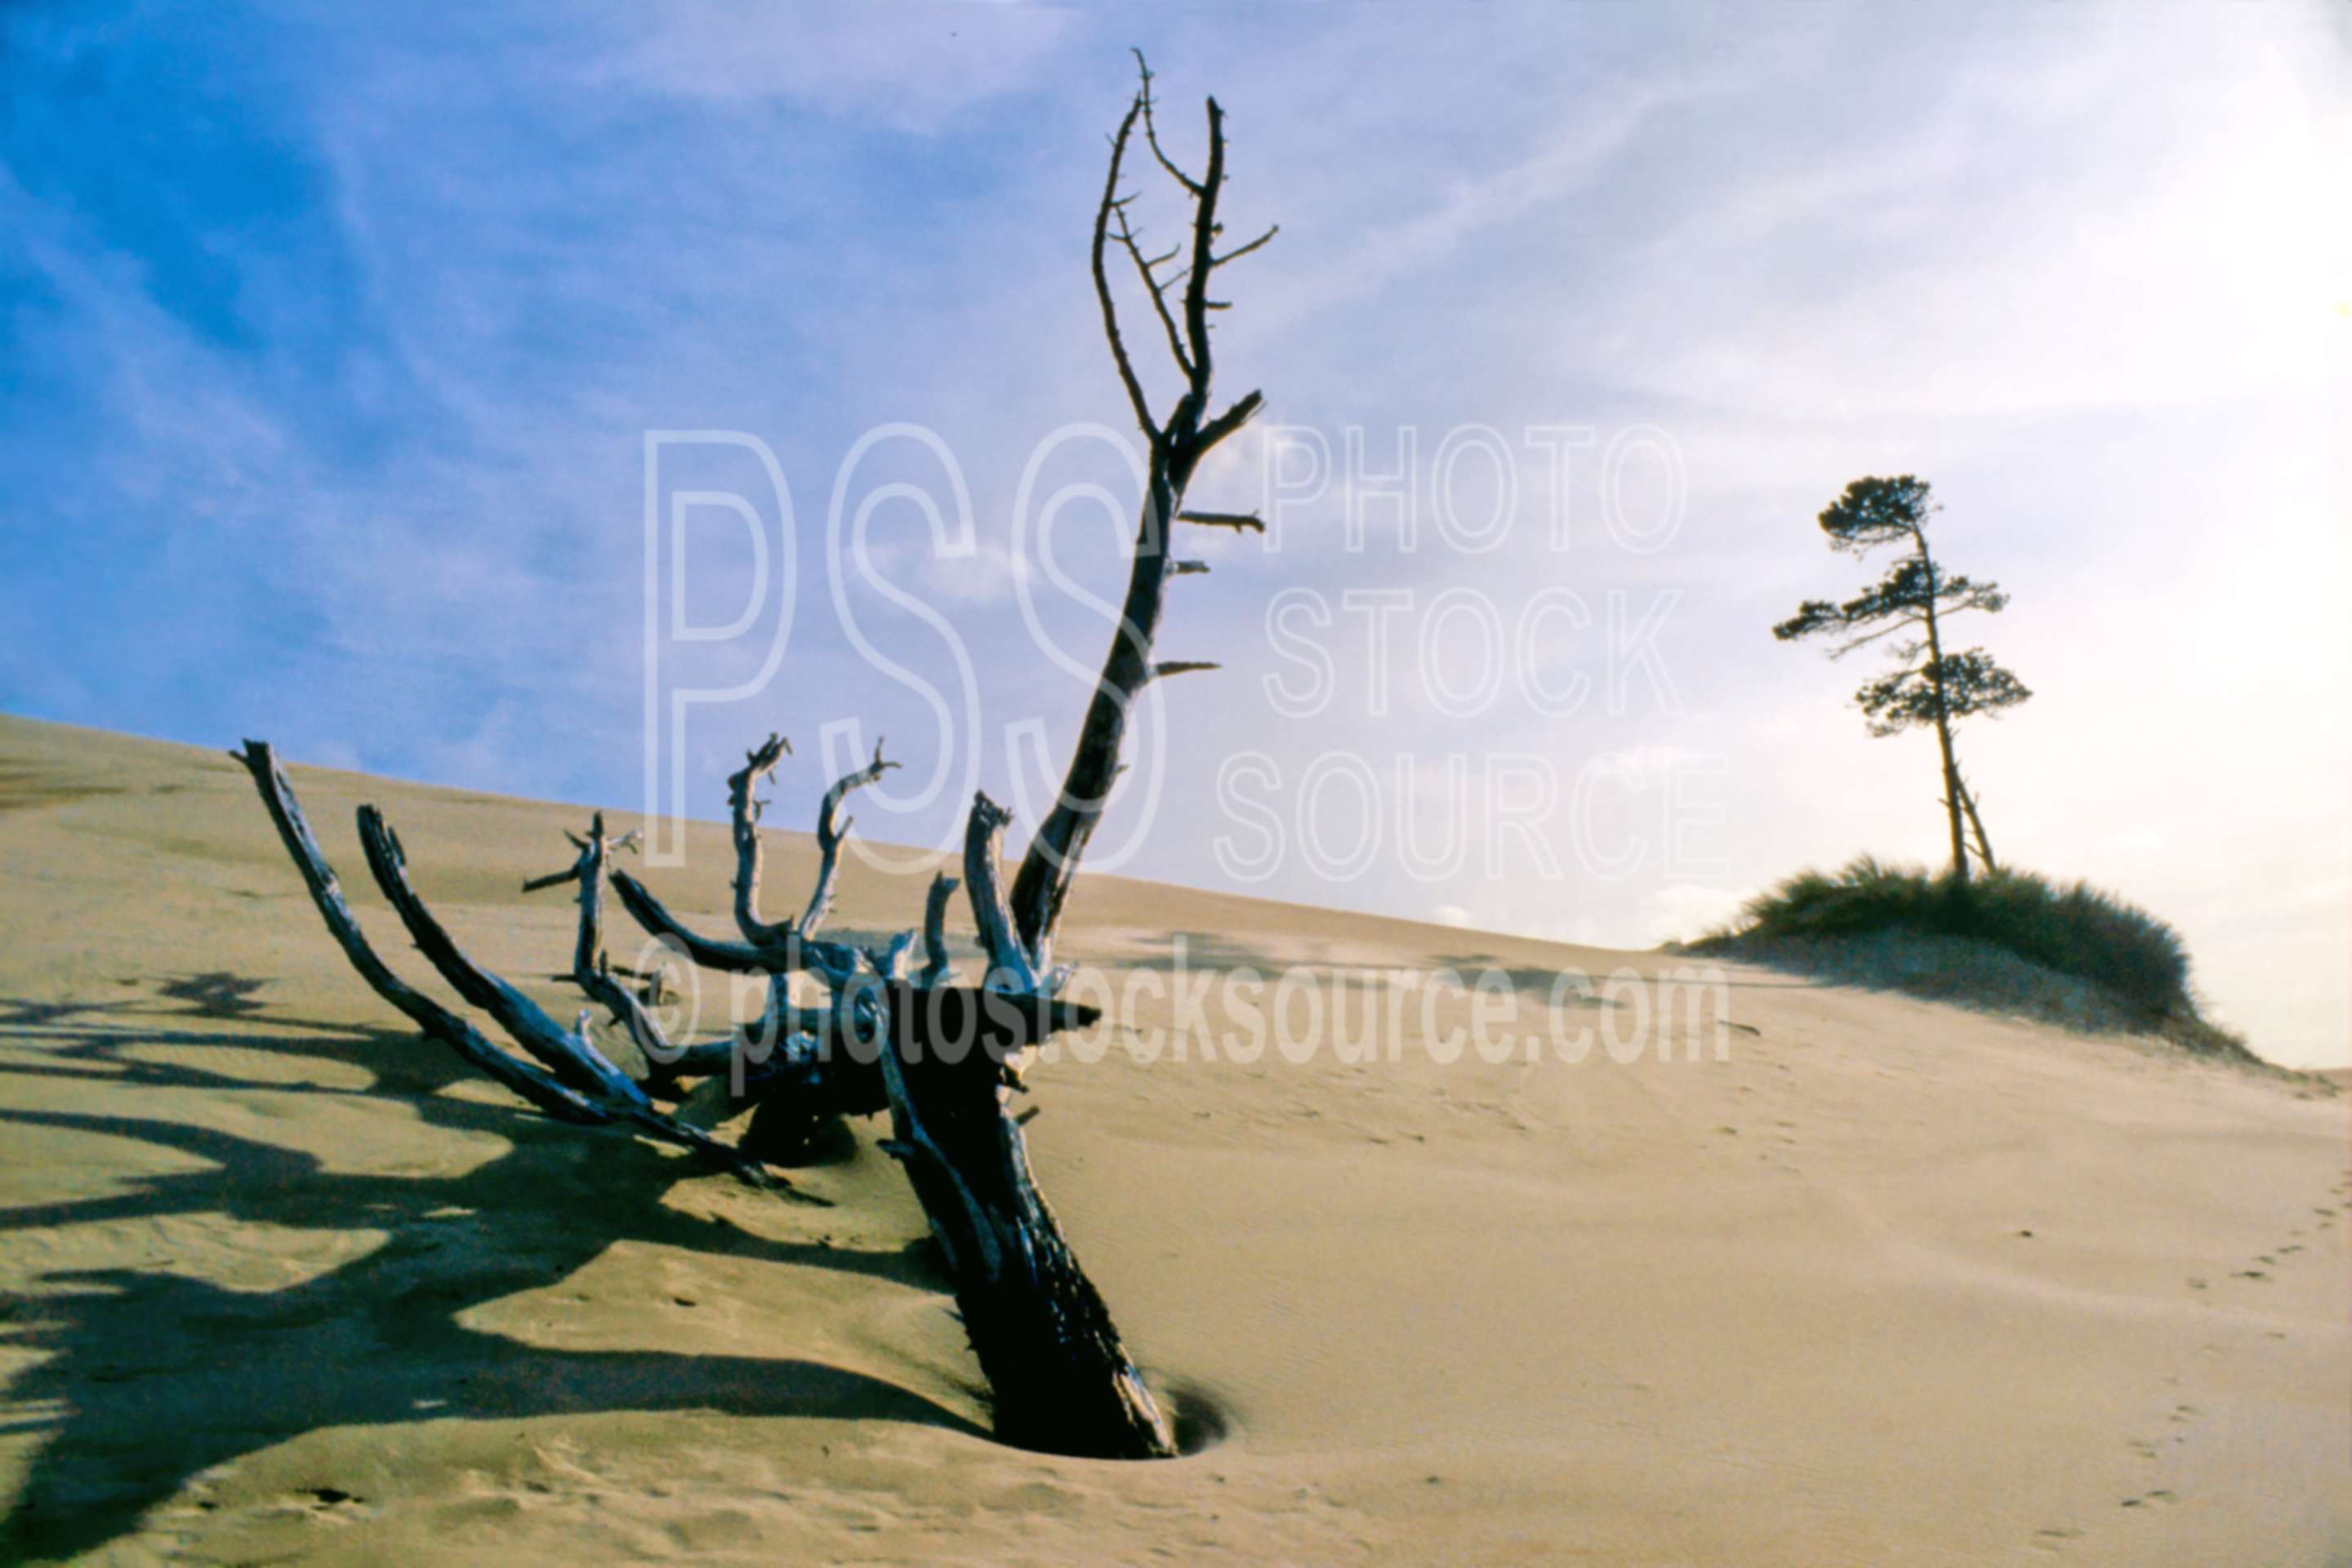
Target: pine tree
(1929, 686)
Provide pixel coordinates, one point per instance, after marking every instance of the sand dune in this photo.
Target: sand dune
(1890, 1283)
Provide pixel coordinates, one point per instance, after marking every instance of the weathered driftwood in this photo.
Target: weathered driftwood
(787, 1061)
(592, 969)
(576, 1093)
(942, 1059)
(774, 948)
(935, 929)
(1062, 1377)
(569, 1054)
(830, 829)
(743, 814)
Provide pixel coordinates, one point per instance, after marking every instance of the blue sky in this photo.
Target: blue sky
(329, 340)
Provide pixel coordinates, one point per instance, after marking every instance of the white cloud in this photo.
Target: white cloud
(927, 62)
(990, 575)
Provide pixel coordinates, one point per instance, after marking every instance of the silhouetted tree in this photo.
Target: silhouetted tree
(1929, 685)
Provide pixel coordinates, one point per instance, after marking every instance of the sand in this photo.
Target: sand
(1892, 1282)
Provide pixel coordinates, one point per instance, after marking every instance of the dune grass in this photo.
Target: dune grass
(2136, 962)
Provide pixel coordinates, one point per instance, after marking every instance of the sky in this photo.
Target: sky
(554, 401)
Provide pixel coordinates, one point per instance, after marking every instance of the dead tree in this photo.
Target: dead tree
(942, 1059)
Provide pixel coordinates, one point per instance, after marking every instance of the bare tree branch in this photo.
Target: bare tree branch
(592, 972)
(829, 835)
(576, 1092)
(1102, 277)
(554, 878)
(1239, 522)
(531, 1082)
(572, 1058)
(1204, 232)
(1237, 254)
(935, 930)
(1975, 822)
(743, 814)
(706, 953)
(1230, 420)
(1151, 133)
(1153, 287)
(570, 1054)
(1010, 965)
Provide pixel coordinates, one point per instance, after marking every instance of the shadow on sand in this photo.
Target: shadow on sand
(151, 1376)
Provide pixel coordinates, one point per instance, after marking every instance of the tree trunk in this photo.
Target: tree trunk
(1043, 883)
(1943, 720)
(950, 1059)
(1976, 825)
(1952, 800)
(1062, 1378)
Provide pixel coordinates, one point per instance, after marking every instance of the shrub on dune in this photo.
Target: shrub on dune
(2075, 929)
